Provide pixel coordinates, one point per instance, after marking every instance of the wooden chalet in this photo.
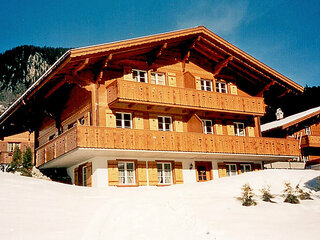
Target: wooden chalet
(8, 144)
(177, 107)
(303, 126)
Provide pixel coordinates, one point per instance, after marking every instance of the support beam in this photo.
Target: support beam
(266, 88)
(81, 66)
(221, 65)
(152, 57)
(185, 54)
(285, 92)
(104, 67)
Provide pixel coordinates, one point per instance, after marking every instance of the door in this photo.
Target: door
(203, 171)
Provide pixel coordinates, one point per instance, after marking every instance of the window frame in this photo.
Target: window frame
(84, 176)
(138, 75)
(157, 78)
(244, 165)
(205, 127)
(219, 86)
(308, 130)
(123, 120)
(164, 123)
(204, 87)
(125, 176)
(228, 165)
(237, 129)
(163, 177)
(14, 145)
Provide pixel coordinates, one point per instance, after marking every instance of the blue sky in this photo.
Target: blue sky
(284, 34)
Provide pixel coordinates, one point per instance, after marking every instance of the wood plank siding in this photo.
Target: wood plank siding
(135, 92)
(134, 139)
(310, 141)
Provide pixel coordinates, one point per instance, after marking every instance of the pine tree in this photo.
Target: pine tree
(27, 159)
(266, 195)
(16, 162)
(289, 194)
(247, 196)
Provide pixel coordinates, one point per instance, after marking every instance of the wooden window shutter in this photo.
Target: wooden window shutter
(178, 172)
(76, 176)
(178, 124)
(250, 131)
(222, 170)
(110, 119)
(127, 73)
(113, 173)
(172, 79)
(89, 174)
(218, 129)
(256, 167)
(153, 173)
(233, 89)
(138, 121)
(153, 121)
(142, 173)
(198, 83)
(230, 129)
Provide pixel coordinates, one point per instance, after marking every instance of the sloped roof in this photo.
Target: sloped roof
(291, 120)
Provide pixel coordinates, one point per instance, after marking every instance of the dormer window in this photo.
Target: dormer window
(157, 78)
(221, 87)
(139, 75)
(206, 85)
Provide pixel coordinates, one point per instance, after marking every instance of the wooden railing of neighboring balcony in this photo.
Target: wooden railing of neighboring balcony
(133, 139)
(310, 141)
(145, 93)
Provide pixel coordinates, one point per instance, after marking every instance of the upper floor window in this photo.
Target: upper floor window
(221, 87)
(52, 136)
(239, 129)
(207, 126)
(126, 172)
(164, 123)
(308, 130)
(158, 78)
(164, 173)
(12, 146)
(123, 120)
(139, 75)
(206, 85)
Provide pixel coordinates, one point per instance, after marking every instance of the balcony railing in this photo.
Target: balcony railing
(144, 93)
(310, 141)
(133, 139)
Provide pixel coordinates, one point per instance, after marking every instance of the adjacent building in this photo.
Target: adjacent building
(165, 109)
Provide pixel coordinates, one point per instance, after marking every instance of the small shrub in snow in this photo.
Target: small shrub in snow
(266, 195)
(303, 195)
(247, 196)
(289, 194)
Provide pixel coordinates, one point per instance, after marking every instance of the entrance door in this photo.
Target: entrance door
(203, 171)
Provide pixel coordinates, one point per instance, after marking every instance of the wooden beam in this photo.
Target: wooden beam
(226, 77)
(221, 65)
(81, 66)
(207, 52)
(55, 88)
(266, 88)
(285, 92)
(156, 54)
(104, 67)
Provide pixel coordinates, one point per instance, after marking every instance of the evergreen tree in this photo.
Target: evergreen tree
(247, 196)
(27, 159)
(16, 162)
(289, 194)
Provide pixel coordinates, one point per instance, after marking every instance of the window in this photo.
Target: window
(123, 120)
(52, 136)
(308, 130)
(71, 125)
(239, 129)
(84, 176)
(164, 123)
(164, 173)
(231, 169)
(245, 168)
(158, 78)
(206, 85)
(207, 126)
(139, 75)
(221, 87)
(81, 121)
(126, 172)
(12, 146)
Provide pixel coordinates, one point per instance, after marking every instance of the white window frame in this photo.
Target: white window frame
(157, 77)
(219, 87)
(163, 177)
(237, 129)
(204, 121)
(123, 121)
(12, 145)
(228, 169)
(126, 173)
(164, 123)
(308, 130)
(206, 85)
(84, 176)
(137, 78)
(244, 167)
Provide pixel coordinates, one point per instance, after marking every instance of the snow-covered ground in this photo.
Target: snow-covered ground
(39, 209)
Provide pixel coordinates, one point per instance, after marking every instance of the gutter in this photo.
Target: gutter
(23, 97)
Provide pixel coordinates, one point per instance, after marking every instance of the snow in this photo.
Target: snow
(39, 209)
(289, 119)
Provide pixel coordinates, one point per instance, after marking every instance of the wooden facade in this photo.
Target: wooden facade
(188, 91)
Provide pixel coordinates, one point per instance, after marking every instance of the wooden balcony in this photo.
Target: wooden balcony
(310, 141)
(150, 94)
(133, 139)
(5, 157)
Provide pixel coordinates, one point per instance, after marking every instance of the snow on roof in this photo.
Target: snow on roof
(288, 120)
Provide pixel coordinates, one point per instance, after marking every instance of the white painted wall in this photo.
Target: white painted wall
(189, 176)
